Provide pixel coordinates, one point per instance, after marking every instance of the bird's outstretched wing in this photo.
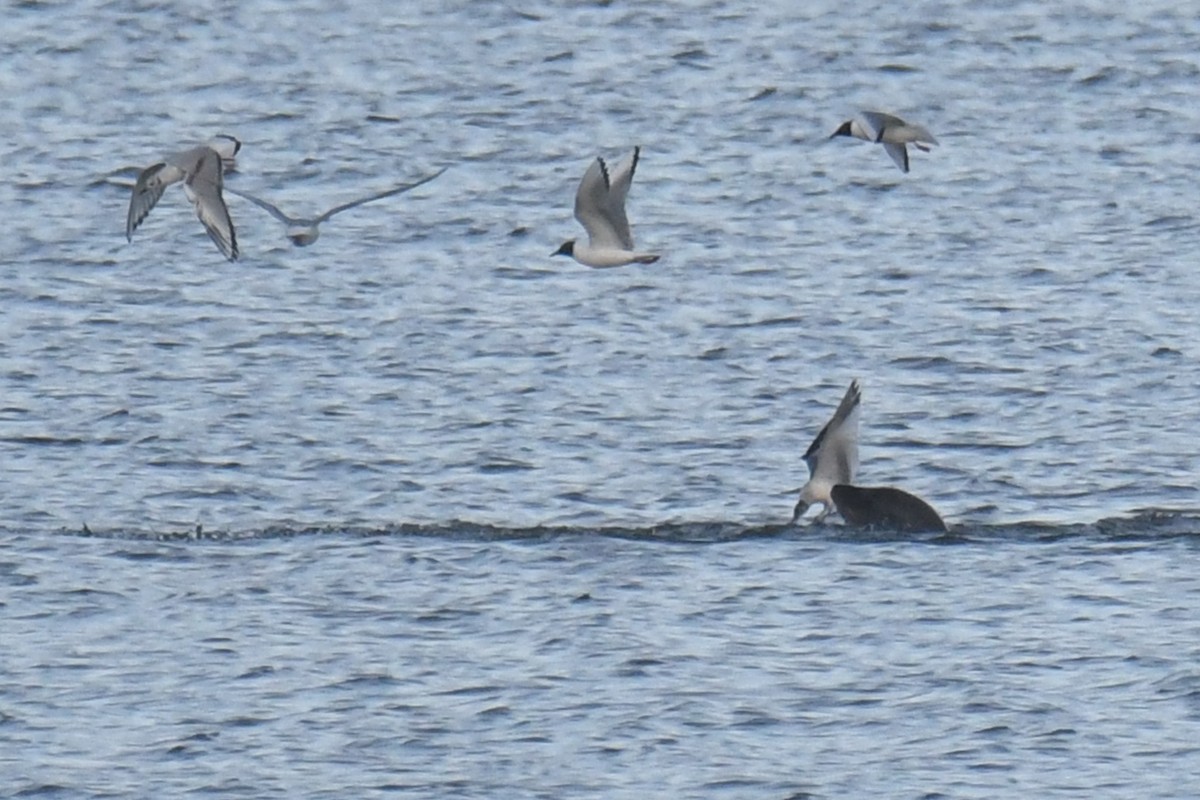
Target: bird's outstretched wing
(203, 188)
(398, 190)
(151, 184)
(264, 205)
(832, 457)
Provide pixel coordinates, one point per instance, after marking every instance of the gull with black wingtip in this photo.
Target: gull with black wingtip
(833, 463)
(201, 169)
(600, 209)
(303, 231)
(890, 131)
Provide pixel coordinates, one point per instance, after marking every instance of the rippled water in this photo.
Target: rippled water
(475, 521)
(584, 665)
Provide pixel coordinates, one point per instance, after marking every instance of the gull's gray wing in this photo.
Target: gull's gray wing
(622, 179)
(833, 456)
(203, 187)
(592, 208)
(398, 190)
(890, 128)
(124, 178)
(151, 184)
(265, 206)
(899, 154)
(876, 122)
(917, 133)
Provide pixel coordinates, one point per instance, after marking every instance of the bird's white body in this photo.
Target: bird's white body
(600, 209)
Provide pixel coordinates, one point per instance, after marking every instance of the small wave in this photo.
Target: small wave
(1145, 525)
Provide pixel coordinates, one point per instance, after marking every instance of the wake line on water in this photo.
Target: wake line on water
(1147, 526)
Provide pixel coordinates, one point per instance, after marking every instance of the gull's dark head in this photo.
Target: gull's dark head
(567, 249)
(843, 130)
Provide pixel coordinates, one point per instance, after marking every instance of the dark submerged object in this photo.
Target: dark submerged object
(886, 507)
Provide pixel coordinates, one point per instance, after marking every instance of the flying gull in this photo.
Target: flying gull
(600, 209)
(201, 170)
(890, 131)
(126, 177)
(303, 231)
(832, 464)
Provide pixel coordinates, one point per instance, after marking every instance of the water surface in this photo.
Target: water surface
(474, 521)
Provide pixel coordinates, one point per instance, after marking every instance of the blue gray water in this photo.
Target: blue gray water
(419, 510)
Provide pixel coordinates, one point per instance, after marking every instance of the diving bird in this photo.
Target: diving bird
(832, 458)
(303, 231)
(600, 209)
(890, 131)
(201, 170)
(832, 464)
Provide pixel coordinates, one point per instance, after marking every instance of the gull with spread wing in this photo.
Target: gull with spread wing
(890, 131)
(303, 231)
(833, 463)
(201, 169)
(600, 209)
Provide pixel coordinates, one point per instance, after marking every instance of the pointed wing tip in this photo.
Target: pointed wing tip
(898, 154)
(604, 172)
(133, 221)
(229, 249)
